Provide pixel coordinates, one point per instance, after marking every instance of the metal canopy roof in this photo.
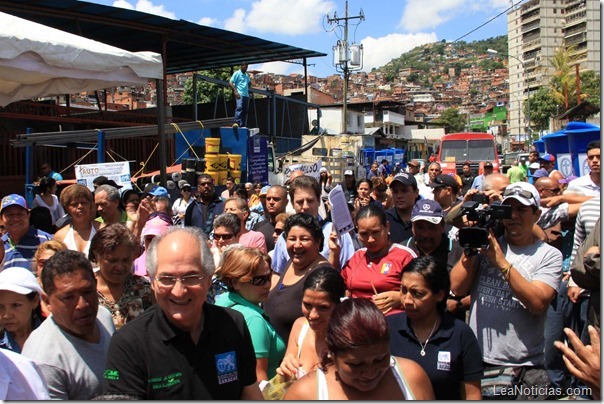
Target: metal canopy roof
(188, 46)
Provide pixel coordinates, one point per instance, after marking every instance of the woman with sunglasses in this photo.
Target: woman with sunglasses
(227, 227)
(179, 207)
(247, 274)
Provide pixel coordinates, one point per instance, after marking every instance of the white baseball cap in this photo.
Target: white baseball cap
(19, 280)
(348, 172)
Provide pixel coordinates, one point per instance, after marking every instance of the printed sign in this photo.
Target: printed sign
(118, 172)
(257, 168)
(565, 164)
(311, 169)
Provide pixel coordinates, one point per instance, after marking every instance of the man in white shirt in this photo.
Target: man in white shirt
(589, 184)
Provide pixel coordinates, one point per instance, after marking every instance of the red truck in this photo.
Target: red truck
(476, 148)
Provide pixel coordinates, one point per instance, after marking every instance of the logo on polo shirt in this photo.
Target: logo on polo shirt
(385, 268)
(161, 382)
(226, 367)
(111, 374)
(444, 361)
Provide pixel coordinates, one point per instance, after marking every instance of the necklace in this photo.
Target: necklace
(423, 351)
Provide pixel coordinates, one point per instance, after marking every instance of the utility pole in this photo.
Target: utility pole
(346, 57)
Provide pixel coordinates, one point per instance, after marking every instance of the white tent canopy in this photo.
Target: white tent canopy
(39, 61)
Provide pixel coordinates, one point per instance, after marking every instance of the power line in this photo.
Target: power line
(497, 16)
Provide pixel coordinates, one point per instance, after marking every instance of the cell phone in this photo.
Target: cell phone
(480, 198)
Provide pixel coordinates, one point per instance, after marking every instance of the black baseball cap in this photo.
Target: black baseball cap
(444, 180)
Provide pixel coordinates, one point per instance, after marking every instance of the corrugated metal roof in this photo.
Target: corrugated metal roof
(188, 46)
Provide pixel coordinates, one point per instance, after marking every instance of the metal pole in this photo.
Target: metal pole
(29, 152)
(161, 116)
(344, 104)
(100, 151)
(195, 97)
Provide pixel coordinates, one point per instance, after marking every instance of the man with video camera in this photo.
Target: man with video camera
(512, 280)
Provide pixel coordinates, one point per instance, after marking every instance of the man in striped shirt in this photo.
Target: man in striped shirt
(21, 239)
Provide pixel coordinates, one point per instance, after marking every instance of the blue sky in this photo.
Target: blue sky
(391, 27)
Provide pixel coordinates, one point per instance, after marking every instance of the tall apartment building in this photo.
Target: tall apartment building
(535, 30)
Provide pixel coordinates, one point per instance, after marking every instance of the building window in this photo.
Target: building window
(554, 10)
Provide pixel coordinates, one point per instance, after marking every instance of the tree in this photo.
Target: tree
(590, 87)
(413, 77)
(543, 106)
(206, 91)
(563, 78)
(453, 120)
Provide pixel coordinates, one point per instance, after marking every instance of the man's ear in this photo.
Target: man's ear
(46, 301)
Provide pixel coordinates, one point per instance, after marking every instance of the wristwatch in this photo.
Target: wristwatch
(459, 306)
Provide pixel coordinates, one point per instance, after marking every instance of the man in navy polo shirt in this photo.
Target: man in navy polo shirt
(21, 239)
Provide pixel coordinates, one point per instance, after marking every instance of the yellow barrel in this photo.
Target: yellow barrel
(215, 176)
(212, 145)
(234, 161)
(212, 162)
(237, 175)
(223, 161)
(222, 174)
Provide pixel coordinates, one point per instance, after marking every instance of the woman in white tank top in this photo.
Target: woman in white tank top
(357, 364)
(79, 204)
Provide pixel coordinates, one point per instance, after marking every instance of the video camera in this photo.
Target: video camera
(477, 236)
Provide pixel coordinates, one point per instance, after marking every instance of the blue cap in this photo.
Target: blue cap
(13, 199)
(428, 210)
(542, 172)
(548, 157)
(159, 191)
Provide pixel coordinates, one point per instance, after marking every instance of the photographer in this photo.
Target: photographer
(492, 190)
(512, 281)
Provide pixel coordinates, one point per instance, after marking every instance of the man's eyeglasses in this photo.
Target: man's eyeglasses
(517, 191)
(204, 184)
(260, 280)
(278, 231)
(223, 236)
(554, 191)
(188, 280)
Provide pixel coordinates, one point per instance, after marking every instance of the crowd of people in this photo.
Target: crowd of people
(253, 294)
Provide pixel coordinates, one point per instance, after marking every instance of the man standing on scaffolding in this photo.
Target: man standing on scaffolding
(240, 82)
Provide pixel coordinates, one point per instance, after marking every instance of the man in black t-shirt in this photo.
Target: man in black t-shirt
(182, 348)
(467, 178)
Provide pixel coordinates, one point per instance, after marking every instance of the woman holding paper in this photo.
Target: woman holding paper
(373, 272)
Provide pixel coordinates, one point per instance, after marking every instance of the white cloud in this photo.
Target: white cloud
(123, 4)
(379, 51)
(207, 21)
(273, 67)
(237, 22)
(292, 17)
(146, 7)
(418, 16)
